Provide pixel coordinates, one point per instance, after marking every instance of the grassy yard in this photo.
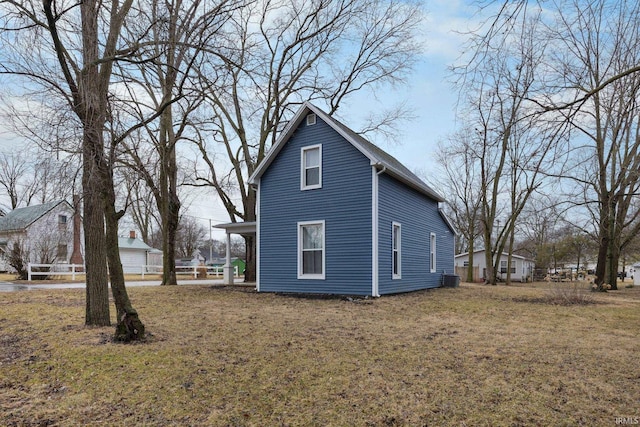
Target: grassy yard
(475, 355)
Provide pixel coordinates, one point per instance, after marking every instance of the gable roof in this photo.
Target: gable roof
(377, 157)
(129, 243)
(21, 218)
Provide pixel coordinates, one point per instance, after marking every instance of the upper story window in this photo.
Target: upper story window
(311, 170)
(62, 219)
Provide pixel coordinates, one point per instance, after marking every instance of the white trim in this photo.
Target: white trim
(258, 236)
(375, 290)
(433, 252)
(324, 250)
(303, 167)
(398, 249)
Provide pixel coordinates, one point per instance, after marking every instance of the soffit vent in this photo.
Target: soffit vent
(311, 119)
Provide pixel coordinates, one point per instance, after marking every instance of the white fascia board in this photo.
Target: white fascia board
(375, 285)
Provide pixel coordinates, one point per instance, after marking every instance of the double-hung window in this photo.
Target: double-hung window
(432, 252)
(503, 267)
(311, 170)
(311, 253)
(396, 243)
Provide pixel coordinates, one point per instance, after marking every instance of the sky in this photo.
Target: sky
(429, 94)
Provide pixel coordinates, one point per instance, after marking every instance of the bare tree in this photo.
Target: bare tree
(191, 235)
(460, 166)
(14, 171)
(68, 50)
(278, 54)
(591, 82)
(32, 176)
(183, 30)
(142, 207)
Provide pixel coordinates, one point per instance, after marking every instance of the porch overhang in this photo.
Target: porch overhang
(238, 227)
(242, 228)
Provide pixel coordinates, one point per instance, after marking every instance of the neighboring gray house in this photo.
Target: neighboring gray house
(43, 232)
(45, 235)
(338, 215)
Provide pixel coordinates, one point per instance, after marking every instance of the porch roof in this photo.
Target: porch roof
(238, 227)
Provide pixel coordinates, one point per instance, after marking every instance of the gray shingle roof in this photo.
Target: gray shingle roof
(376, 155)
(21, 218)
(128, 243)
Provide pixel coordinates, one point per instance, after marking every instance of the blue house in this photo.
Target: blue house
(338, 215)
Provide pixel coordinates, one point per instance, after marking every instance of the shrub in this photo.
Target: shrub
(569, 295)
(16, 260)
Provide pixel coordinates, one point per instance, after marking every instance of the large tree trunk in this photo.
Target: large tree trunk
(470, 258)
(170, 203)
(250, 254)
(602, 266)
(97, 286)
(250, 240)
(170, 227)
(128, 327)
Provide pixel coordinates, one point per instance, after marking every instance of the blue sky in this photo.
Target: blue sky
(428, 93)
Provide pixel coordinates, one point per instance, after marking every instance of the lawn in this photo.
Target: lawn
(474, 355)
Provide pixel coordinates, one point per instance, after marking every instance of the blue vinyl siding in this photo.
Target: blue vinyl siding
(343, 203)
(419, 217)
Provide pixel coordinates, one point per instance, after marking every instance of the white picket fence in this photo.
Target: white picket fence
(78, 269)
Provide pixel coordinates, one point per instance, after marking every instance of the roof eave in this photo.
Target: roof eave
(427, 191)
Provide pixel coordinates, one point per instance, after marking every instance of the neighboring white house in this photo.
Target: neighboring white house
(635, 273)
(134, 254)
(521, 267)
(44, 233)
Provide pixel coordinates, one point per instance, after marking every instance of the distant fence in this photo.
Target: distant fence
(78, 269)
(462, 272)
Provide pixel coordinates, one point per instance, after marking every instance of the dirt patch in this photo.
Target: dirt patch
(10, 349)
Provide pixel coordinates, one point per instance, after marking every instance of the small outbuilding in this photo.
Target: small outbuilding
(135, 254)
(338, 215)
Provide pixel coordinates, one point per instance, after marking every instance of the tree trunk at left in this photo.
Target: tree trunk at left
(97, 286)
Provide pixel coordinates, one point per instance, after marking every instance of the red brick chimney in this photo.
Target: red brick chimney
(132, 234)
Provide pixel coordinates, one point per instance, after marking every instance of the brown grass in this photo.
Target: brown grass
(475, 355)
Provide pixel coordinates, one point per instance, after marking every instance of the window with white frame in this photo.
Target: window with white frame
(432, 252)
(396, 239)
(311, 254)
(311, 170)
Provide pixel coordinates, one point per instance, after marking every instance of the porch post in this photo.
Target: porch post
(228, 268)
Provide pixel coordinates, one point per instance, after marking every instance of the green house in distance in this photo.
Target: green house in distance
(238, 264)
